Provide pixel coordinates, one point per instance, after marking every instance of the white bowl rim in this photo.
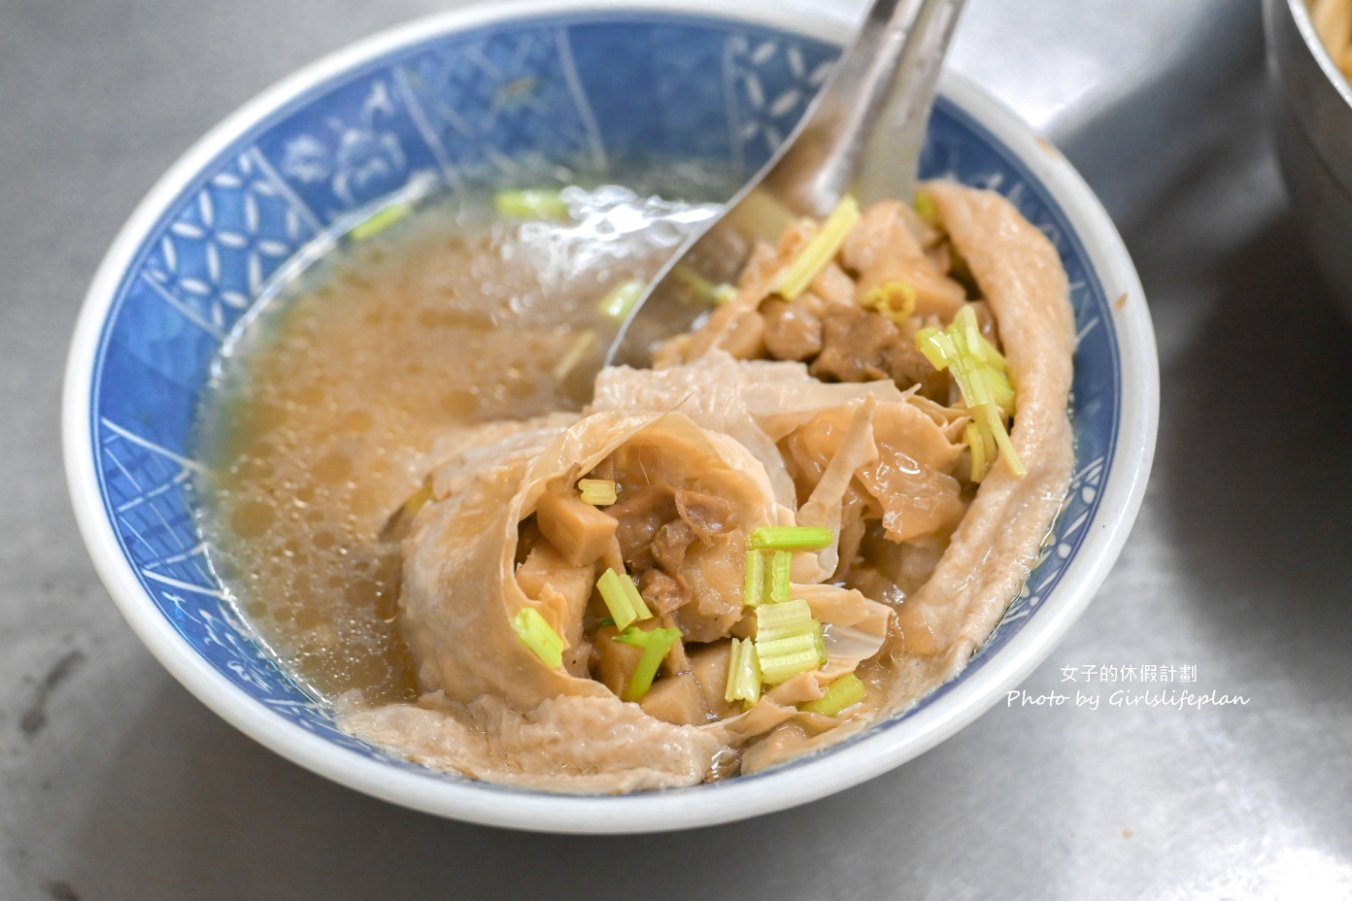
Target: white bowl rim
(869, 755)
(1300, 13)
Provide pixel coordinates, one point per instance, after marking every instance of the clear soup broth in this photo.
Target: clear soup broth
(327, 398)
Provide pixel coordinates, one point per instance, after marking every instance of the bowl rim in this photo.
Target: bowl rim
(1300, 15)
(869, 755)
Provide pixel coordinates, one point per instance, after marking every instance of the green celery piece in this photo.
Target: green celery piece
(791, 538)
(976, 443)
(780, 565)
(895, 300)
(753, 591)
(377, 223)
(966, 335)
(744, 675)
(702, 288)
(936, 346)
(788, 647)
(530, 203)
(698, 284)
(656, 644)
(819, 250)
(539, 637)
(840, 695)
(982, 377)
(575, 354)
(635, 599)
(992, 352)
(621, 598)
(978, 367)
(722, 294)
(619, 302)
(989, 417)
(967, 386)
(787, 657)
(788, 641)
(776, 621)
(999, 387)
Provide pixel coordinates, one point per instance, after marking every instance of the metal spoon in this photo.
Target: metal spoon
(862, 134)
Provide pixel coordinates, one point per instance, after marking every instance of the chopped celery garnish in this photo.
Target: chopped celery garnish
(990, 419)
(530, 203)
(697, 283)
(977, 360)
(788, 640)
(539, 637)
(379, 222)
(993, 354)
(722, 294)
(969, 330)
(976, 443)
(783, 658)
(702, 288)
(619, 302)
(753, 591)
(791, 538)
(982, 377)
(744, 675)
(895, 300)
(776, 621)
(597, 492)
(840, 695)
(924, 206)
(656, 645)
(780, 565)
(622, 598)
(819, 249)
(1001, 391)
(576, 352)
(936, 346)
(971, 383)
(635, 599)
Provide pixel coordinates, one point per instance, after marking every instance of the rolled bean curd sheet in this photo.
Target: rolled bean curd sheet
(920, 564)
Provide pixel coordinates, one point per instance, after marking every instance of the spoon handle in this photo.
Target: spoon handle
(864, 131)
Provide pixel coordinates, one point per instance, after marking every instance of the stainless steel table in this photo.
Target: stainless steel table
(114, 783)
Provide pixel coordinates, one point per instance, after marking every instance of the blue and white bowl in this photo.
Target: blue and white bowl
(496, 95)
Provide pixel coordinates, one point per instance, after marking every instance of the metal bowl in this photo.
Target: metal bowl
(1312, 131)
